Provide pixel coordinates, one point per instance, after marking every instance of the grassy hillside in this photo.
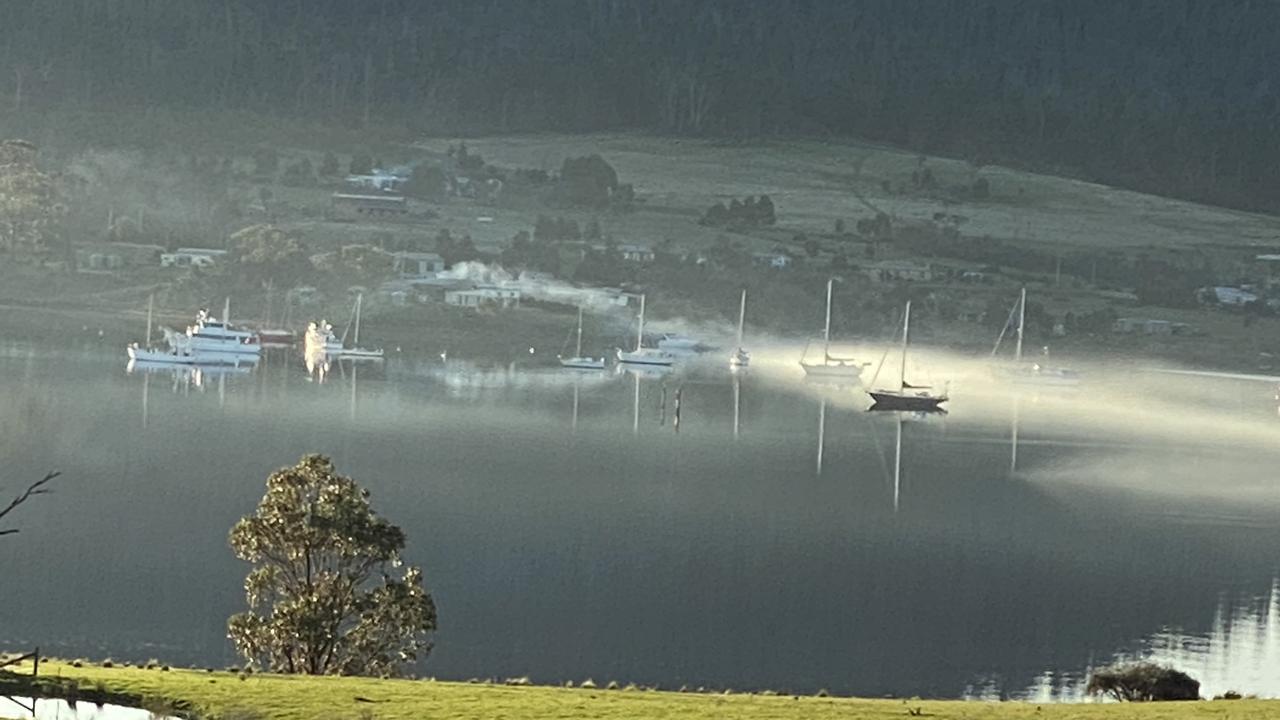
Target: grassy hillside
(222, 694)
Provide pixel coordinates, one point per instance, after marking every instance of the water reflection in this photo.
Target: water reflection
(571, 532)
(1239, 652)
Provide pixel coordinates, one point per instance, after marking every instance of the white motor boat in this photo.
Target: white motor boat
(172, 356)
(643, 355)
(209, 336)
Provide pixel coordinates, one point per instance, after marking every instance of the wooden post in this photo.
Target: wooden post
(35, 662)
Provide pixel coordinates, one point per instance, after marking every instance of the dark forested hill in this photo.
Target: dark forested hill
(1172, 96)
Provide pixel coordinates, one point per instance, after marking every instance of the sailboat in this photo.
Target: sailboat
(177, 354)
(269, 335)
(741, 358)
(643, 355)
(913, 398)
(579, 362)
(830, 367)
(1030, 373)
(320, 340)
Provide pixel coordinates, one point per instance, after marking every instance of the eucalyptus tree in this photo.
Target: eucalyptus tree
(328, 593)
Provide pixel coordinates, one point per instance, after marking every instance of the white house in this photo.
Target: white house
(417, 265)
(484, 296)
(895, 270)
(191, 257)
(636, 253)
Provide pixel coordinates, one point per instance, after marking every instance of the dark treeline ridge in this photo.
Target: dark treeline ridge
(1170, 96)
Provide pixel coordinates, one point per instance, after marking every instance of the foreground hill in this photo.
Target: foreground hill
(206, 694)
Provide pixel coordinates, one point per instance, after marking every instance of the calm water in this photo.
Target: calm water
(1133, 518)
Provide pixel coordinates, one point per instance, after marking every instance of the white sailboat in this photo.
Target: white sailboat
(320, 339)
(917, 398)
(1033, 373)
(643, 355)
(579, 362)
(830, 367)
(175, 355)
(741, 358)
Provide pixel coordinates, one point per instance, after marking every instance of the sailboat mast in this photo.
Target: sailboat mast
(640, 330)
(578, 351)
(1022, 320)
(826, 328)
(355, 340)
(906, 327)
(742, 317)
(226, 313)
(151, 299)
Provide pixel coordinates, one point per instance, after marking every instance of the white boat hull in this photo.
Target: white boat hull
(843, 371)
(159, 357)
(646, 356)
(1039, 376)
(356, 354)
(740, 359)
(582, 363)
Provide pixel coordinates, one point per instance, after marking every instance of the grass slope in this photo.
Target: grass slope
(222, 694)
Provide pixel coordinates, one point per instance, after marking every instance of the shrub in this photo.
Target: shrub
(613, 685)
(588, 684)
(1229, 695)
(108, 663)
(1143, 682)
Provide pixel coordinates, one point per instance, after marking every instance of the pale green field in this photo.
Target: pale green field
(815, 183)
(221, 694)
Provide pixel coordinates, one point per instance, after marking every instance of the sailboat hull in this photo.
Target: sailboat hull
(846, 371)
(1039, 376)
(890, 400)
(582, 363)
(646, 356)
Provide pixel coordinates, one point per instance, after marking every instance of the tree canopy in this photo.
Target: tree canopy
(327, 594)
(30, 201)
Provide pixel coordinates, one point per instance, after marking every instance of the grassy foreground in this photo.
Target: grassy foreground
(228, 695)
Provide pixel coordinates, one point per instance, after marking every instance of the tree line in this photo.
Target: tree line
(1171, 96)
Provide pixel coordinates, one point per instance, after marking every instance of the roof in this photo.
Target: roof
(417, 255)
(201, 251)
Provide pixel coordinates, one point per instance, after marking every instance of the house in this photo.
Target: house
(483, 296)
(1227, 296)
(775, 260)
(636, 253)
(377, 179)
(899, 270)
(192, 257)
(106, 256)
(417, 265)
(356, 206)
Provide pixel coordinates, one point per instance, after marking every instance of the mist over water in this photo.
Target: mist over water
(569, 528)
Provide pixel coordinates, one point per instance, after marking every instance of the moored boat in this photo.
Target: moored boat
(907, 397)
(645, 355)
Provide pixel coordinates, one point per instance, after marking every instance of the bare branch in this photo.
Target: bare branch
(36, 488)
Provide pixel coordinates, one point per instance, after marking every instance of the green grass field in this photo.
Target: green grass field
(228, 695)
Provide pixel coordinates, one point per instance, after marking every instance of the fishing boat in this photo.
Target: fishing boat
(740, 357)
(907, 397)
(578, 362)
(210, 336)
(830, 367)
(173, 355)
(1033, 373)
(643, 355)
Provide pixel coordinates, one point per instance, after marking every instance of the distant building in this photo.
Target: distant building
(192, 257)
(107, 256)
(1227, 296)
(356, 206)
(417, 265)
(899, 270)
(775, 260)
(1149, 326)
(484, 296)
(378, 179)
(636, 253)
